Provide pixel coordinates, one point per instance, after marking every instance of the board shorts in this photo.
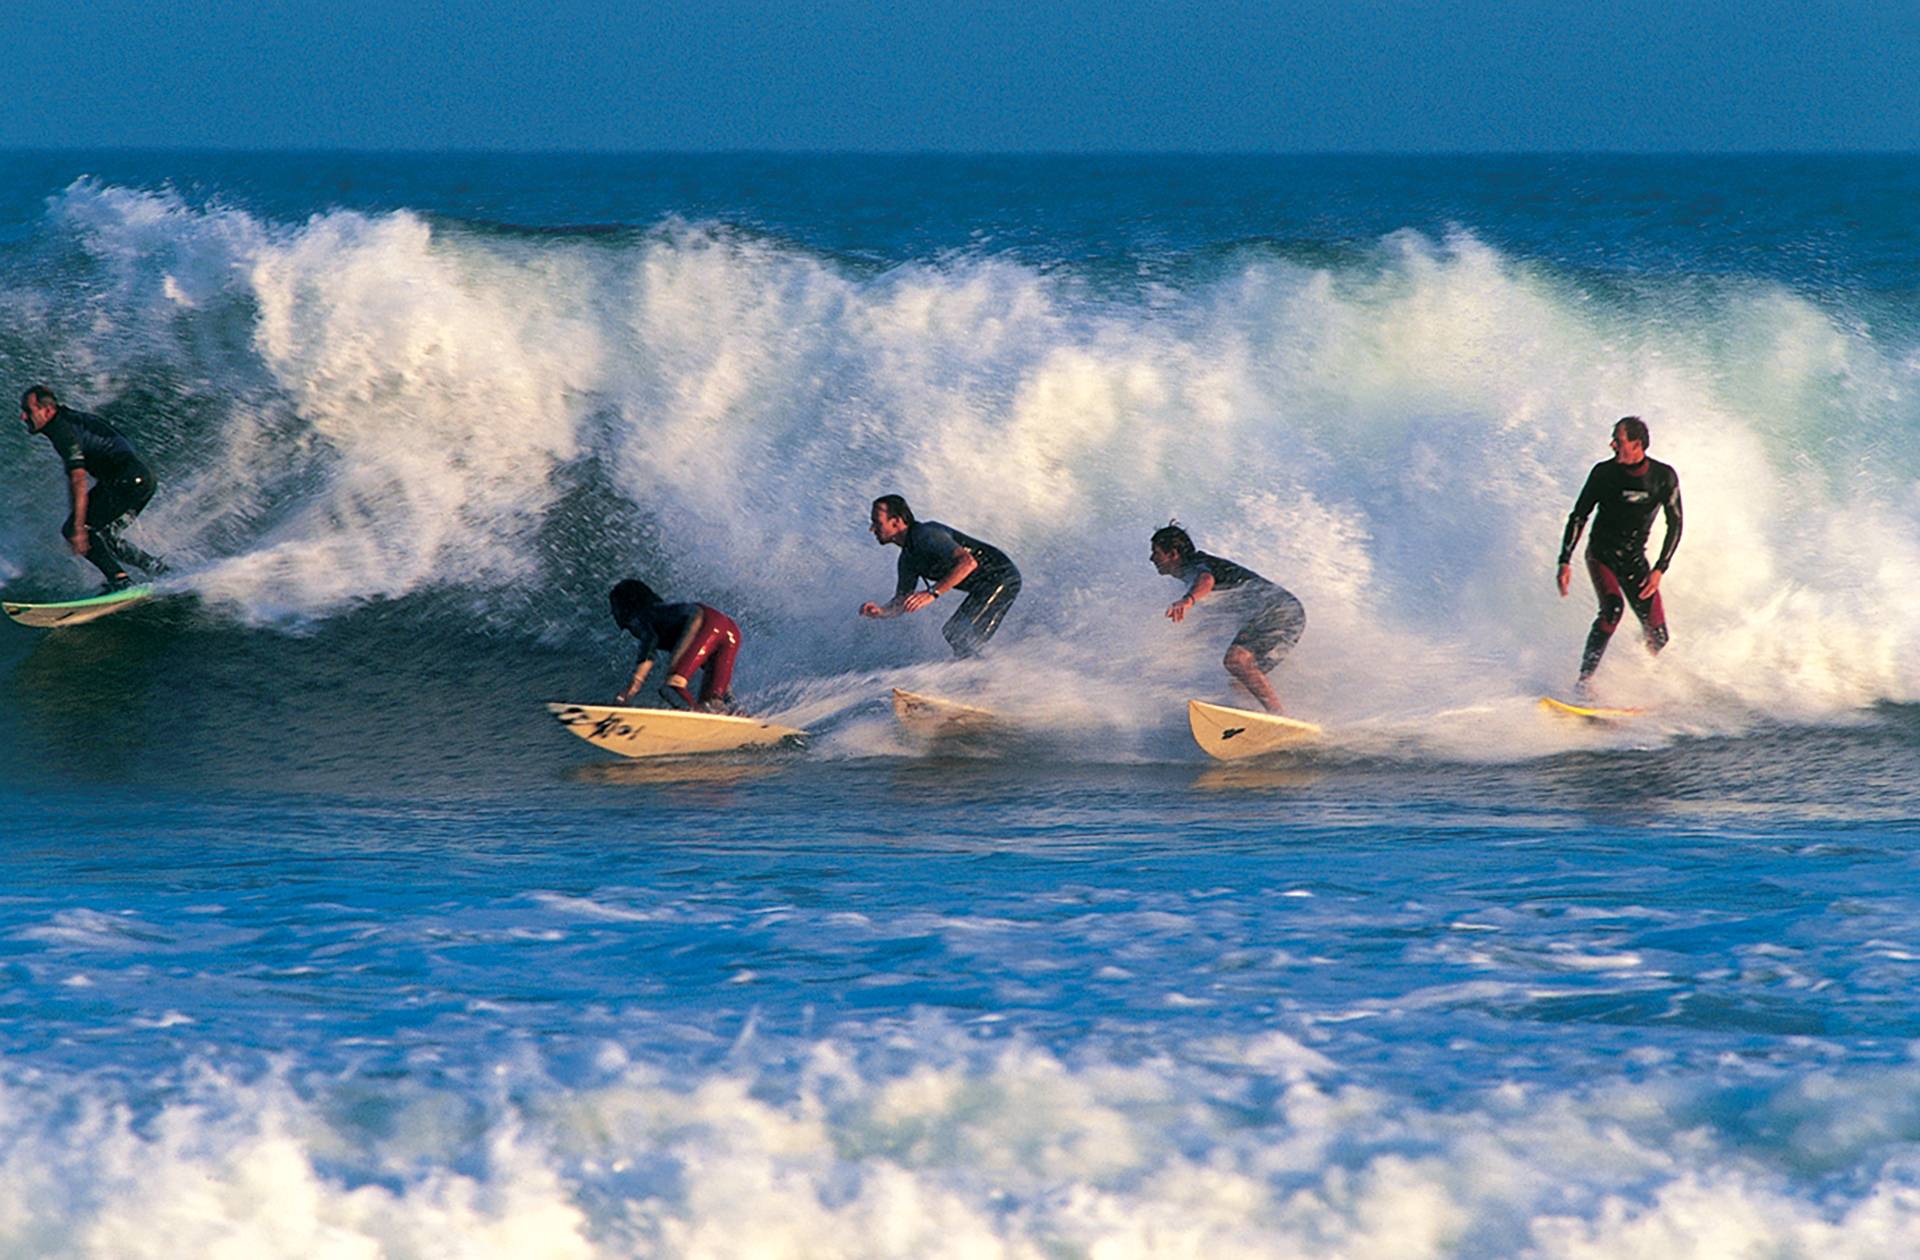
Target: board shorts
(1271, 633)
(713, 648)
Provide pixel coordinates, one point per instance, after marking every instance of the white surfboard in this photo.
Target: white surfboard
(75, 612)
(1231, 734)
(667, 732)
(930, 716)
(1591, 712)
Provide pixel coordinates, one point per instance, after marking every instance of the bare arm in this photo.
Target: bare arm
(641, 669)
(963, 568)
(1201, 588)
(686, 636)
(913, 601)
(77, 491)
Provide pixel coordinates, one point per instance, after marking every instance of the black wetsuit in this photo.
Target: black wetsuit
(122, 486)
(1627, 499)
(1272, 617)
(659, 626)
(929, 552)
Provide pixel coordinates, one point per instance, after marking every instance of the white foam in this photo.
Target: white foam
(1398, 442)
(1261, 1147)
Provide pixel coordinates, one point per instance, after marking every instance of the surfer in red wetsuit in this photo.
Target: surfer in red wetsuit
(1628, 490)
(701, 637)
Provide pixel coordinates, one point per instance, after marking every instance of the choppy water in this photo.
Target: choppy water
(324, 941)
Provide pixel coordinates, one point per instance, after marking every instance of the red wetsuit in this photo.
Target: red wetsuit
(715, 645)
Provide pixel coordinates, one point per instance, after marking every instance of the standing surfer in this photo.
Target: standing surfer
(946, 560)
(121, 484)
(1627, 489)
(702, 637)
(1271, 619)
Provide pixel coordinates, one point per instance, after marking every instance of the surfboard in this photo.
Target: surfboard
(74, 612)
(932, 716)
(1231, 734)
(1591, 712)
(667, 732)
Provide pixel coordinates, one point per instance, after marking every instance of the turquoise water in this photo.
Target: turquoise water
(324, 940)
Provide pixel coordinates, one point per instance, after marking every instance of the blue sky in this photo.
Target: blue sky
(1314, 75)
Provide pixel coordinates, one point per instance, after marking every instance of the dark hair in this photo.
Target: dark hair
(629, 599)
(1170, 537)
(40, 394)
(896, 507)
(1634, 429)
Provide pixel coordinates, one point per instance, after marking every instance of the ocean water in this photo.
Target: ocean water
(322, 940)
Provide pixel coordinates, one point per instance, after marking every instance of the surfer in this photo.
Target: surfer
(1271, 619)
(946, 560)
(1627, 489)
(121, 484)
(701, 637)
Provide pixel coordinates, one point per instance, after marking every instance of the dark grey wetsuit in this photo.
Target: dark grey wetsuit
(122, 485)
(1271, 618)
(929, 552)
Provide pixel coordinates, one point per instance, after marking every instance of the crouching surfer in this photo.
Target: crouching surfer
(107, 484)
(695, 637)
(1270, 618)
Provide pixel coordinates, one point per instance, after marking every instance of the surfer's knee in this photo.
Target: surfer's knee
(1239, 660)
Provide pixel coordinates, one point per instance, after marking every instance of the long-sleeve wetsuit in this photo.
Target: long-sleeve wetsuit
(1627, 499)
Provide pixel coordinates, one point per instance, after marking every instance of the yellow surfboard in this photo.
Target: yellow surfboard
(1233, 734)
(667, 732)
(931, 717)
(1591, 712)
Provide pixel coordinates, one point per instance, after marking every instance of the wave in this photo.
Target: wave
(382, 407)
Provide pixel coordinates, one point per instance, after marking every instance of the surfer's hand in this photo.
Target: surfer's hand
(623, 697)
(1177, 611)
(1565, 579)
(916, 601)
(871, 609)
(78, 539)
(1651, 585)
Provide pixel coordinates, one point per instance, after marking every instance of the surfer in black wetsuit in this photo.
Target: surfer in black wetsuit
(121, 484)
(1628, 490)
(694, 637)
(1271, 619)
(946, 560)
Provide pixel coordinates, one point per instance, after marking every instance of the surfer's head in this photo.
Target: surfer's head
(37, 405)
(1171, 548)
(629, 599)
(890, 518)
(1630, 439)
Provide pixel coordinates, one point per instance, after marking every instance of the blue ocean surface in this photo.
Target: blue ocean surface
(323, 939)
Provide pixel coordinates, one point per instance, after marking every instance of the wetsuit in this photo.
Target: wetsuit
(715, 645)
(122, 485)
(1272, 619)
(929, 552)
(1627, 499)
